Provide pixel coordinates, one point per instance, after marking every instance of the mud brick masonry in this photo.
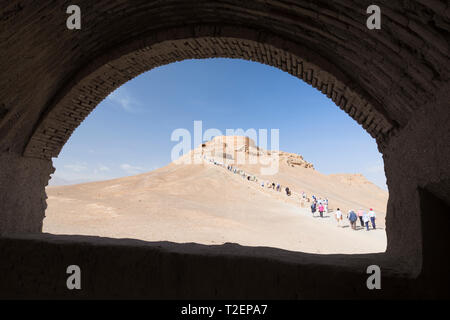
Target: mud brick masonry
(394, 82)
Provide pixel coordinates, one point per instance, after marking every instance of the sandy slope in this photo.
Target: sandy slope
(206, 203)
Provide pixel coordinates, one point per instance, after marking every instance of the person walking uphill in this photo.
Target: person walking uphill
(352, 217)
(366, 220)
(321, 208)
(338, 215)
(360, 216)
(288, 191)
(372, 217)
(313, 208)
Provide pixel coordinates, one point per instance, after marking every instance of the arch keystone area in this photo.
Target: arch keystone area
(394, 82)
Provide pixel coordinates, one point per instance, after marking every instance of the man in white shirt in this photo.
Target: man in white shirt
(366, 220)
(372, 217)
(338, 215)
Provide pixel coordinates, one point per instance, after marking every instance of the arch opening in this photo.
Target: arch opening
(218, 196)
(402, 70)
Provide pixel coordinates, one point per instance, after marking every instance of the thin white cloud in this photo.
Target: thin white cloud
(124, 100)
(131, 169)
(379, 168)
(103, 168)
(75, 167)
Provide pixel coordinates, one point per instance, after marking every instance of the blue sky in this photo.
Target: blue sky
(130, 131)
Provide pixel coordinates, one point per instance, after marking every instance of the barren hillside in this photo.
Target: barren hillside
(204, 202)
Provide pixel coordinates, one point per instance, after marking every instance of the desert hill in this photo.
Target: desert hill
(346, 191)
(197, 199)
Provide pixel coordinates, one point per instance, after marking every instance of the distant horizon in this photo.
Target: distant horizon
(63, 182)
(60, 182)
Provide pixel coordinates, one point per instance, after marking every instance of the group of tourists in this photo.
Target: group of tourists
(321, 205)
(361, 215)
(240, 172)
(276, 186)
(364, 218)
(268, 184)
(318, 204)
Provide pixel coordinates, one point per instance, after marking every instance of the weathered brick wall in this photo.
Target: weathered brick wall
(396, 69)
(22, 193)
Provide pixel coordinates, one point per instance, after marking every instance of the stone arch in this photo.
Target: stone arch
(75, 101)
(395, 81)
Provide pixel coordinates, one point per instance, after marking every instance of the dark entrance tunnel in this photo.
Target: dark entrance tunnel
(393, 81)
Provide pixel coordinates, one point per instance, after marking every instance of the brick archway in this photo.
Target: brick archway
(393, 81)
(74, 102)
